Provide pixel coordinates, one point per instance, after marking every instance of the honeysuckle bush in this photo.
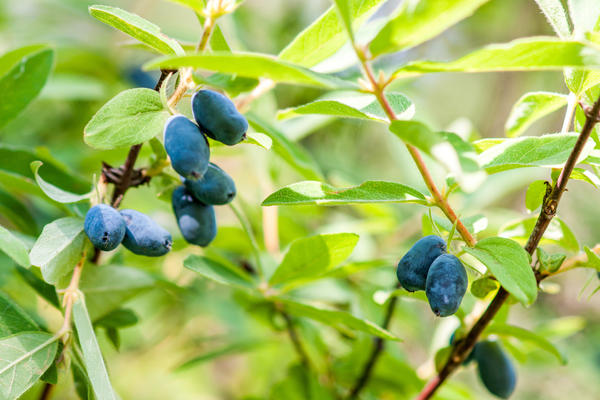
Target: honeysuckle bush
(368, 130)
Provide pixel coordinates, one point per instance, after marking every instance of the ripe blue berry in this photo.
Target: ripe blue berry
(446, 285)
(496, 370)
(196, 221)
(144, 236)
(413, 267)
(218, 118)
(186, 146)
(215, 187)
(104, 226)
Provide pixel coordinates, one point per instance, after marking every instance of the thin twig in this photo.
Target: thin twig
(295, 338)
(463, 347)
(47, 391)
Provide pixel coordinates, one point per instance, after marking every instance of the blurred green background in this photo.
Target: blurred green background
(177, 323)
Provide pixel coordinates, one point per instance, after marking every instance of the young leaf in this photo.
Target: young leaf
(335, 318)
(509, 264)
(481, 287)
(55, 193)
(253, 65)
(417, 22)
(526, 336)
(549, 262)
(24, 358)
(23, 74)
(319, 193)
(310, 257)
(326, 35)
(234, 348)
(119, 318)
(548, 151)
(535, 194)
(529, 54)
(531, 107)
(218, 272)
(356, 106)
(593, 261)
(14, 248)
(557, 233)
(92, 357)
(289, 151)
(131, 117)
(13, 319)
(136, 27)
(345, 12)
(58, 248)
(557, 16)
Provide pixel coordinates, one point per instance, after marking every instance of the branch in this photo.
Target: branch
(296, 340)
(463, 347)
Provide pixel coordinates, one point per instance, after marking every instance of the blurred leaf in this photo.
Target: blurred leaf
(55, 193)
(549, 262)
(58, 248)
(557, 16)
(417, 22)
(356, 106)
(82, 384)
(319, 193)
(529, 54)
(311, 257)
(13, 319)
(345, 12)
(481, 287)
(548, 151)
(119, 318)
(14, 211)
(326, 35)
(136, 27)
(92, 357)
(526, 336)
(23, 74)
(593, 261)
(23, 359)
(291, 152)
(72, 87)
(259, 139)
(509, 264)
(335, 318)
(300, 384)
(108, 287)
(14, 248)
(557, 232)
(234, 348)
(535, 194)
(531, 107)
(196, 5)
(131, 117)
(253, 65)
(441, 356)
(232, 84)
(42, 288)
(218, 272)
(355, 267)
(584, 14)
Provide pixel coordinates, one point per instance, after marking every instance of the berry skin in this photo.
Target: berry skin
(144, 236)
(496, 370)
(216, 187)
(196, 220)
(186, 146)
(413, 267)
(446, 285)
(218, 118)
(104, 226)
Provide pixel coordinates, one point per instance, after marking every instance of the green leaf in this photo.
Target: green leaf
(218, 272)
(548, 151)
(23, 74)
(136, 27)
(585, 15)
(119, 318)
(509, 264)
(131, 117)
(13, 318)
(354, 106)
(291, 152)
(82, 384)
(13, 210)
(253, 65)
(535, 194)
(196, 5)
(58, 248)
(45, 290)
(326, 35)
(481, 287)
(417, 22)
(531, 107)
(24, 358)
(557, 16)
(345, 12)
(14, 248)
(259, 139)
(593, 261)
(234, 348)
(319, 193)
(55, 193)
(107, 288)
(335, 318)
(529, 54)
(525, 336)
(311, 257)
(549, 262)
(557, 233)
(92, 357)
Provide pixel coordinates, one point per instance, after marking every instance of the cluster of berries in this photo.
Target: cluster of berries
(427, 266)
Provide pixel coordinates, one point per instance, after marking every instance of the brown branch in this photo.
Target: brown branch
(463, 347)
(47, 391)
(295, 338)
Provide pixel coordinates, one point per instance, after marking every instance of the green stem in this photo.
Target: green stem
(251, 238)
